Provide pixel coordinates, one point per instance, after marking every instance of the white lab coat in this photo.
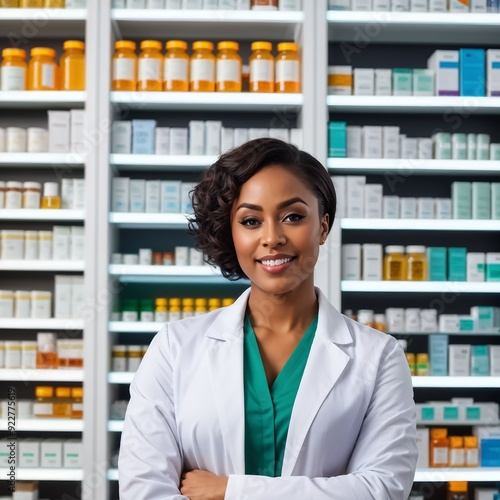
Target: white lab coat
(352, 433)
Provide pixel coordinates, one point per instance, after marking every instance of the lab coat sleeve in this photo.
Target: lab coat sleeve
(150, 459)
(382, 464)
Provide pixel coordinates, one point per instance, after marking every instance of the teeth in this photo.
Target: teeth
(278, 262)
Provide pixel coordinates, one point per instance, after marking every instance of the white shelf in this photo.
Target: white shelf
(41, 215)
(420, 286)
(45, 474)
(134, 326)
(446, 423)
(113, 474)
(148, 221)
(414, 27)
(49, 23)
(163, 163)
(420, 224)
(124, 270)
(440, 475)
(42, 324)
(42, 265)
(120, 377)
(46, 425)
(457, 382)
(34, 99)
(413, 167)
(241, 25)
(57, 375)
(209, 101)
(115, 425)
(467, 334)
(41, 160)
(414, 104)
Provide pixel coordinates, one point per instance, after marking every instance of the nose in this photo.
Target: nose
(272, 234)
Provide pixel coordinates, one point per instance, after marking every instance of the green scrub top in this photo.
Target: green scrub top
(268, 409)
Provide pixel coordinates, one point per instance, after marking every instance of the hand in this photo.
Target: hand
(203, 485)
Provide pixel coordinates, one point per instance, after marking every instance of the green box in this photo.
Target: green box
(436, 257)
(473, 413)
(480, 360)
(457, 264)
(402, 81)
(337, 139)
(450, 413)
(461, 198)
(481, 200)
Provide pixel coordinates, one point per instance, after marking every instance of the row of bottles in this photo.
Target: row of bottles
(63, 402)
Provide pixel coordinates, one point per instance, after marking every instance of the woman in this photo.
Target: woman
(278, 396)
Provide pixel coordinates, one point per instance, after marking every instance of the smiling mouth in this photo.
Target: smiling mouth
(276, 262)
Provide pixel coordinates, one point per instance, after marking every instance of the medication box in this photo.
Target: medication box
(436, 257)
(354, 141)
(143, 137)
(51, 453)
(493, 72)
(457, 264)
(445, 64)
(337, 139)
(438, 355)
(472, 70)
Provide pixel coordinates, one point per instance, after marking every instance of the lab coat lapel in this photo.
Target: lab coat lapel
(325, 365)
(226, 372)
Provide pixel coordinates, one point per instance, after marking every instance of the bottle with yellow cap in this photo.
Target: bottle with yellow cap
(187, 308)
(202, 68)
(55, 4)
(176, 67)
(458, 490)
(44, 403)
(439, 448)
(287, 68)
(14, 74)
(227, 302)
(77, 402)
(72, 65)
(228, 68)
(174, 309)
(150, 66)
(200, 307)
(11, 4)
(161, 310)
(124, 66)
(31, 4)
(62, 402)
(43, 69)
(214, 304)
(261, 67)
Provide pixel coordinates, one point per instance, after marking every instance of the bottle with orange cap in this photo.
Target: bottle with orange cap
(202, 68)
(31, 4)
(287, 68)
(14, 74)
(228, 68)
(55, 4)
(261, 67)
(124, 66)
(458, 490)
(72, 65)
(150, 66)
(43, 69)
(176, 67)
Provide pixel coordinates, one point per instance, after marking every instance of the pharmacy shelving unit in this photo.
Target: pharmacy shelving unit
(371, 39)
(115, 228)
(28, 28)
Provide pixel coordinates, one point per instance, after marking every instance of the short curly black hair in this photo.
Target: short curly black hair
(220, 187)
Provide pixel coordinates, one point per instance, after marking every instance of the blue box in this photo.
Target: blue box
(436, 258)
(337, 140)
(490, 452)
(143, 137)
(457, 264)
(438, 355)
(472, 72)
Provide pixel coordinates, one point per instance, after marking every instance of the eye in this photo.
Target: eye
(294, 217)
(250, 222)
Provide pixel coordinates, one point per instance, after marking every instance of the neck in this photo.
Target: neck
(282, 313)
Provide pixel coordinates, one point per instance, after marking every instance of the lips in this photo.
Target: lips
(276, 265)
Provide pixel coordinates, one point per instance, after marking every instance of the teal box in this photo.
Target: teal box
(466, 324)
(493, 267)
(402, 81)
(438, 355)
(480, 360)
(450, 413)
(457, 264)
(473, 413)
(337, 139)
(461, 199)
(427, 414)
(436, 258)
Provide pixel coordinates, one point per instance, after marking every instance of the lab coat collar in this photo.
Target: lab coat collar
(331, 324)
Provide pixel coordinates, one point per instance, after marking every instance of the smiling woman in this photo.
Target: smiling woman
(278, 395)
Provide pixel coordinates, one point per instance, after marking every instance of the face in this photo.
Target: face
(277, 230)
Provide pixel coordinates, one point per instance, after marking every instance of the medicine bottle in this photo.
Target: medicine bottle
(287, 68)
(416, 263)
(395, 263)
(227, 302)
(77, 402)
(261, 67)
(124, 66)
(457, 451)
(72, 65)
(174, 310)
(439, 448)
(28, 354)
(14, 195)
(187, 308)
(214, 304)
(228, 69)
(168, 258)
(3, 191)
(366, 317)
(50, 198)
(130, 310)
(379, 323)
(14, 70)
(264, 5)
(44, 403)
(62, 402)
(22, 304)
(412, 363)
(147, 310)
(46, 357)
(134, 356)
(202, 71)
(471, 451)
(32, 194)
(161, 310)
(31, 4)
(9, 3)
(43, 70)
(458, 490)
(245, 78)
(200, 307)
(150, 66)
(119, 358)
(41, 304)
(422, 364)
(176, 67)
(55, 4)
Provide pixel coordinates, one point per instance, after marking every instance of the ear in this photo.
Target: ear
(324, 228)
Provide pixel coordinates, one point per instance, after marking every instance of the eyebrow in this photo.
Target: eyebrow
(281, 205)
